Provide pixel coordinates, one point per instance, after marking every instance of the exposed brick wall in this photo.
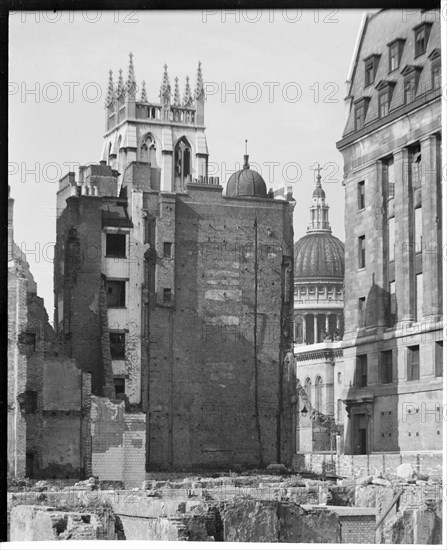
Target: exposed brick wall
(358, 529)
(190, 352)
(134, 441)
(108, 389)
(17, 362)
(86, 442)
(77, 284)
(44, 399)
(118, 442)
(201, 367)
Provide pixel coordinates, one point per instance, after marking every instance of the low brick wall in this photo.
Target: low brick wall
(358, 529)
(357, 525)
(354, 466)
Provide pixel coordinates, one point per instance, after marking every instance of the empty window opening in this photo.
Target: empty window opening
(117, 345)
(116, 245)
(167, 250)
(120, 387)
(116, 293)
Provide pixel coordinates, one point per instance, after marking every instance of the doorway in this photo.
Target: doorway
(360, 434)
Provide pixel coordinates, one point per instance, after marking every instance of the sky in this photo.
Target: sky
(273, 77)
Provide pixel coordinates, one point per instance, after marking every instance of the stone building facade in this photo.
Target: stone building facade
(48, 396)
(391, 148)
(178, 298)
(318, 315)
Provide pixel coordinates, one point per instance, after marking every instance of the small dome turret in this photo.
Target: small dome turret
(246, 182)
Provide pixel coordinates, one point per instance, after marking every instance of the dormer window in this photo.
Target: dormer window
(359, 117)
(384, 104)
(369, 72)
(395, 53)
(435, 58)
(371, 64)
(411, 78)
(421, 36)
(436, 75)
(360, 108)
(385, 89)
(409, 91)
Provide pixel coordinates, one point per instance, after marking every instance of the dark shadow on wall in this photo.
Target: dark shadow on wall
(371, 401)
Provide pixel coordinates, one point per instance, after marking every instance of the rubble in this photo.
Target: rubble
(405, 471)
(262, 507)
(277, 469)
(381, 481)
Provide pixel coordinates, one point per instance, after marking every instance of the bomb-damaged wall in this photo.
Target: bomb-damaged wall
(65, 408)
(211, 404)
(77, 284)
(46, 402)
(118, 442)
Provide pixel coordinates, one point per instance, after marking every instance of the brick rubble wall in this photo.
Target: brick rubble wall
(134, 441)
(354, 466)
(118, 442)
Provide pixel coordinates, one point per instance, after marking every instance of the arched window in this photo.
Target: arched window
(318, 393)
(299, 329)
(308, 388)
(148, 150)
(144, 153)
(182, 159)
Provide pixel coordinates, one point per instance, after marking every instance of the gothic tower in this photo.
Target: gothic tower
(169, 134)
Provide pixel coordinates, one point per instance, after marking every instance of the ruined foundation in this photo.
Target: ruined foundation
(234, 508)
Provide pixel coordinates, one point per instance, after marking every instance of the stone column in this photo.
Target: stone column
(431, 227)
(315, 328)
(337, 317)
(304, 329)
(404, 248)
(327, 322)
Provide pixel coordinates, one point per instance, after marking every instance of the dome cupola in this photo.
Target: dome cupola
(319, 254)
(246, 182)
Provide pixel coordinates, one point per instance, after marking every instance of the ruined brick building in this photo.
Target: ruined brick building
(391, 148)
(48, 396)
(318, 315)
(176, 297)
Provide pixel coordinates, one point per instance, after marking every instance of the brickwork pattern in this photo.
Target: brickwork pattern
(201, 364)
(358, 529)
(118, 442)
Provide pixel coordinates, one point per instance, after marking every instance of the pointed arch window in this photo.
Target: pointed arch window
(182, 159)
(148, 150)
(308, 388)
